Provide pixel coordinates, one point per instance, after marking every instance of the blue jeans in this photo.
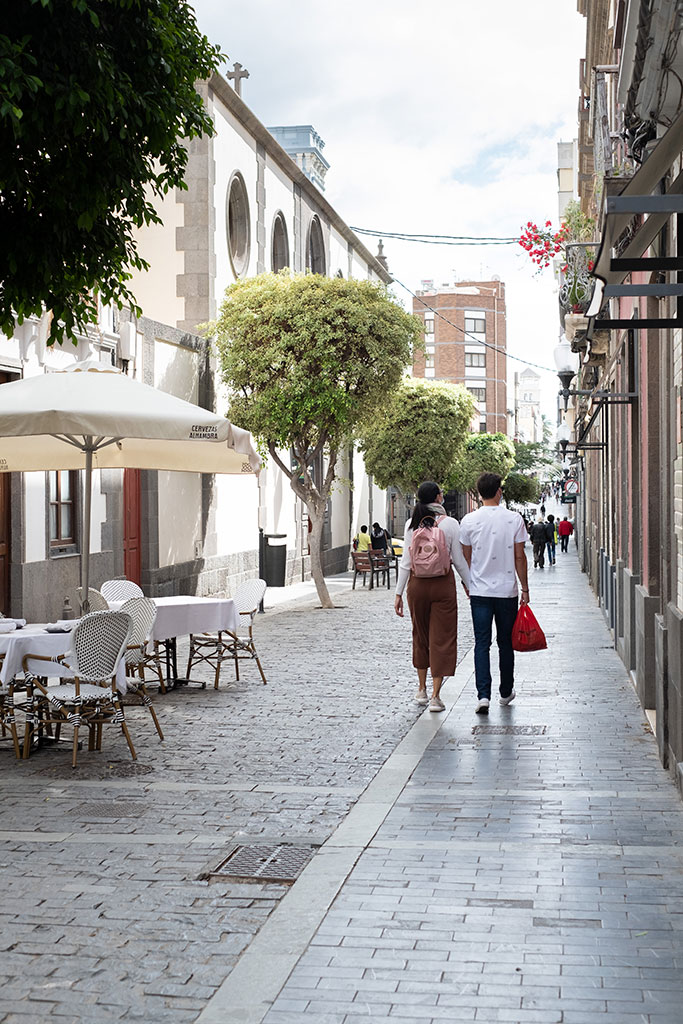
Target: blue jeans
(550, 545)
(484, 611)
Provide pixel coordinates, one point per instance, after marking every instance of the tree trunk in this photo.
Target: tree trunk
(316, 543)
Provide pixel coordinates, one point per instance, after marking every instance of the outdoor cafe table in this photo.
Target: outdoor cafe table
(184, 614)
(34, 639)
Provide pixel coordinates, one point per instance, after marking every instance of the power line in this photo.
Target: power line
(402, 236)
(478, 341)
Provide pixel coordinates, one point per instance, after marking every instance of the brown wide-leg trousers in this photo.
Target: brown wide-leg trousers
(434, 610)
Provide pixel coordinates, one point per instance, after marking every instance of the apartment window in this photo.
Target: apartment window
(475, 359)
(477, 325)
(482, 426)
(62, 508)
(429, 326)
(429, 359)
(478, 394)
(430, 371)
(430, 350)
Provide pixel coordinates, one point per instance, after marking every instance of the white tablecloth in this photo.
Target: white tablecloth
(34, 639)
(180, 616)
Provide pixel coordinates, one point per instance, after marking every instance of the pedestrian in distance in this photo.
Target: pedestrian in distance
(430, 548)
(565, 529)
(542, 508)
(362, 542)
(493, 539)
(551, 539)
(379, 538)
(538, 542)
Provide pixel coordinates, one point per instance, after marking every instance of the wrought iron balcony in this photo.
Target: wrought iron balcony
(576, 288)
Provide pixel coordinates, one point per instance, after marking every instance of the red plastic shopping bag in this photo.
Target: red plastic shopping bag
(527, 635)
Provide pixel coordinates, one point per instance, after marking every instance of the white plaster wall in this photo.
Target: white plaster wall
(279, 196)
(34, 506)
(176, 371)
(361, 498)
(339, 255)
(155, 291)
(359, 267)
(234, 150)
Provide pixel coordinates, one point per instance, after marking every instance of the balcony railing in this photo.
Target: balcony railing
(576, 289)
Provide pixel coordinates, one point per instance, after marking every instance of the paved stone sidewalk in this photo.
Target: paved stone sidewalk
(104, 915)
(532, 868)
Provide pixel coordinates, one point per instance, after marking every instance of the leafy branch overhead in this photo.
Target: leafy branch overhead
(97, 102)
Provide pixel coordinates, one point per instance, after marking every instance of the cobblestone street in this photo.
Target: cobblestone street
(104, 915)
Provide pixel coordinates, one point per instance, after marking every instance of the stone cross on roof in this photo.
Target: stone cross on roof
(236, 75)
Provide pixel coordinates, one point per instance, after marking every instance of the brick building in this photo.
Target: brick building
(465, 341)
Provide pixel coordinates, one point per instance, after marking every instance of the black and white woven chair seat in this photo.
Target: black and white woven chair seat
(141, 653)
(214, 648)
(120, 590)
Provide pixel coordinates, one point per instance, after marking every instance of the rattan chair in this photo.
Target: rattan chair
(98, 603)
(119, 590)
(214, 648)
(7, 708)
(98, 643)
(143, 612)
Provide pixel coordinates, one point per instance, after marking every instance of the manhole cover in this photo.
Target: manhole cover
(281, 864)
(108, 809)
(508, 730)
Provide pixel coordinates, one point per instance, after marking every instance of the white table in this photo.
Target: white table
(184, 614)
(34, 639)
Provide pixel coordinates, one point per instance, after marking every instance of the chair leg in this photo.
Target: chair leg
(74, 754)
(91, 737)
(124, 729)
(157, 665)
(259, 668)
(190, 658)
(147, 701)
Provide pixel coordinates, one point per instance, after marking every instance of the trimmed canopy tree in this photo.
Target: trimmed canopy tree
(418, 435)
(482, 453)
(97, 102)
(306, 358)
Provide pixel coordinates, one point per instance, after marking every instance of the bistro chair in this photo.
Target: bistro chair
(381, 563)
(98, 643)
(143, 612)
(98, 602)
(119, 590)
(7, 708)
(362, 566)
(215, 648)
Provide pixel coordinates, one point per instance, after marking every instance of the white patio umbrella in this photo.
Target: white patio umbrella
(92, 415)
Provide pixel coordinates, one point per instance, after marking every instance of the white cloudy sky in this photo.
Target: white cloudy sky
(439, 117)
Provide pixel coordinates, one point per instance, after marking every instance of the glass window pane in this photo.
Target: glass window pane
(53, 485)
(65, 483)
(65, 511)
(53, 522)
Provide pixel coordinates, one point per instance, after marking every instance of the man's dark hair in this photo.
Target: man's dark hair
(551, 519)
(488, 484)
(363, 529)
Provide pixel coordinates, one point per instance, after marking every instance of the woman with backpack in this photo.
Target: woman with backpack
(430, 549)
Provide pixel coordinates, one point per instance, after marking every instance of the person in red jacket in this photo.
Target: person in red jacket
(565, 529)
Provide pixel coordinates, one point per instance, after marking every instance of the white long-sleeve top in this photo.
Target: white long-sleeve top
(451, 528)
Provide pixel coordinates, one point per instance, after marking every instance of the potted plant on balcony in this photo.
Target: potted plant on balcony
(570, 251)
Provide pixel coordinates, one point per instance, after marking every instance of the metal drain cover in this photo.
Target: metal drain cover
(86, 769)
(509, 730)
(281, 863)
(109, 809)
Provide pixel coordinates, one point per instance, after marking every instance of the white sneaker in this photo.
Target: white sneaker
(422, 698)
(436, 704)
(504, 701)
(482, 707)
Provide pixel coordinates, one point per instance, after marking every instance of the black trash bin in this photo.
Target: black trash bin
(275, 559)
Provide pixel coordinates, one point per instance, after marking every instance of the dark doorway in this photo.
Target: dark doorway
(132, 562)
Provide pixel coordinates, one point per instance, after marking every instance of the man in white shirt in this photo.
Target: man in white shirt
(492, 541)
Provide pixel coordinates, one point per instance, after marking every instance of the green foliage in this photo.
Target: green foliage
(418, 435)
(483, 453)
(307, 358)
(97, 102)
(521, 489)
(532, 457)
(580, 227)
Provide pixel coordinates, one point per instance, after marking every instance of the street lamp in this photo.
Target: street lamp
(567, 365)
(563, 437)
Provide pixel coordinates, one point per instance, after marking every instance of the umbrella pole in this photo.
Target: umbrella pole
(87, 504)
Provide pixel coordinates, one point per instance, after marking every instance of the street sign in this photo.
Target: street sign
(568, 499)
(571, 487)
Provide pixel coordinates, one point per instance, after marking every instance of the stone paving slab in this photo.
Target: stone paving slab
(531, 873)
(104, 914)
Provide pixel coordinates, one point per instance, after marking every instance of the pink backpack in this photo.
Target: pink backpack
(429, 554)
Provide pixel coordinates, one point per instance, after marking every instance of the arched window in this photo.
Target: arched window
(279, 244)
(315, 248)
(237, 225)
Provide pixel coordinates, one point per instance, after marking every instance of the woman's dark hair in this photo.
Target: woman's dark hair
(426, 495)
(377, 529)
